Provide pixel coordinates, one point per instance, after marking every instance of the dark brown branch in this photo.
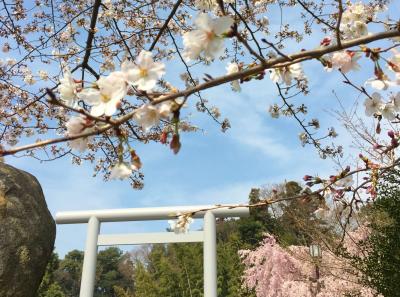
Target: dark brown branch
(339, 20)
(91, 33)
(165, 25)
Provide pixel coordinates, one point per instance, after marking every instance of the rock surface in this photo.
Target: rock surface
(27, 233)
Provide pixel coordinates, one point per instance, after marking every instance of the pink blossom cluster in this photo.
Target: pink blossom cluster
(274, 271)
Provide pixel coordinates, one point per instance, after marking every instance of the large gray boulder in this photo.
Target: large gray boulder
(27, 233)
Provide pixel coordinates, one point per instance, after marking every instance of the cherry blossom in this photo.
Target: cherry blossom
(166, 108)
(181, 224)
(355, 18)
(67, 88)
(345, 61)
(380, 83)
(29, 79)
(233, 68)
(147, 116)
(207, 38)
(121, 171)
(287, 74)
(373, 104)
(144, 73)
(303, 138)
(11, 61)
(43, 75)
(388, 111)
(75, 126)
(106, 95)
(274, 111)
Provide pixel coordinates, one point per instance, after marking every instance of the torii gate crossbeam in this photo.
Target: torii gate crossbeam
(94, 218)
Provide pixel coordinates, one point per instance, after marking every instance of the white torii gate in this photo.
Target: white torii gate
(94, 239)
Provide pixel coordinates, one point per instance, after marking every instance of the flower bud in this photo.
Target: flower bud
(163, 137)
(175, 144)
(326, 41)
(135, 160)
(391, 134)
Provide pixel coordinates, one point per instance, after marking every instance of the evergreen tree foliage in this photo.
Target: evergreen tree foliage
(69, 273)
(382, 263)
(49, 287)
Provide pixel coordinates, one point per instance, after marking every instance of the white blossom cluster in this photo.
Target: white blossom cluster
(181, 224)
(388, 110)
(355, 19)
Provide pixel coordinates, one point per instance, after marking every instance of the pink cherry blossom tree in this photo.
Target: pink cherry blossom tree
(274, 271)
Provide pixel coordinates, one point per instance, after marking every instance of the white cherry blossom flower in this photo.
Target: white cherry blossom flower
(207, 37)
(43, 75)
(75, 126)
(11, 61)
(379, 84)
(121, 171)
(144, 73)
(373, 105)
(182, 224)
(332, 132)
(166, 108)
(359, 29)
(68, 34)
(388, 111)
(345, 61)
(274, 111)
(233, 68)
(287, 74)
(303, 138)
(147, 116)
(29, 79)
(6, 48)
(107, 94)
(265, 21)
(67, 88)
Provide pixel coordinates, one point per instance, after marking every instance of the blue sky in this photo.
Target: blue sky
(212, 167)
